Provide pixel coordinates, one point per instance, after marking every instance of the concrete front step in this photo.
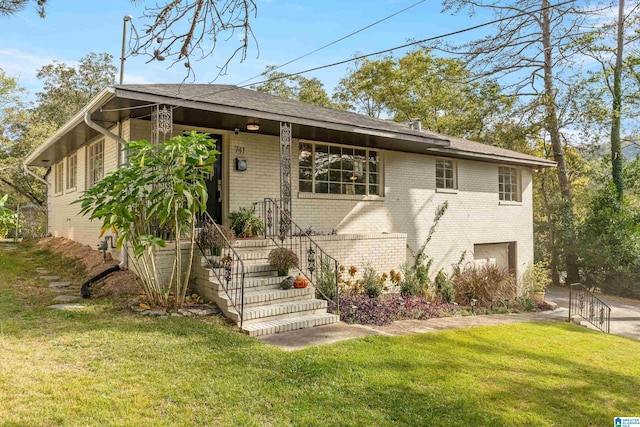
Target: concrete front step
(274, 296)
(267, 313)
(251, 270)
(289, 324)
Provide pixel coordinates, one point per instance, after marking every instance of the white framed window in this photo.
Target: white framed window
(72, 171)
(58, 177)
(337, 169)
(95, 162)
(509, 184)
(446, 174)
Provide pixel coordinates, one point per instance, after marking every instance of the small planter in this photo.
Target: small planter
(301, 282)
(538, 297)
(283, 273)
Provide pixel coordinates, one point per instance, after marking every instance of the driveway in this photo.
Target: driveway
(625, 313)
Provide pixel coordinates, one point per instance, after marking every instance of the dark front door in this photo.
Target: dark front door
(214, 184)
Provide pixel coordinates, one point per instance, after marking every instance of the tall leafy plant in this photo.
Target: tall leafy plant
(7, 216)
(161, 185)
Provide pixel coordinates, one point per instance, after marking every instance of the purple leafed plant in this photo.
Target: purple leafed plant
(383, 310)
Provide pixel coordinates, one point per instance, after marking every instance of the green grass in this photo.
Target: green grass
(104, 366)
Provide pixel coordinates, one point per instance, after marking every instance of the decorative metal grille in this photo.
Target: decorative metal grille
(285, 167)
(161, 123)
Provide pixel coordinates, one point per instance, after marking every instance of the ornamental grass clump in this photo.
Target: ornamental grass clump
(487, 284)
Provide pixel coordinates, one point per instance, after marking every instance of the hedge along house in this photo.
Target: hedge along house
(378, 184)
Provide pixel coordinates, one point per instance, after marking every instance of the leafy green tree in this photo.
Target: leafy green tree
(367, 87)
(609, 241)
(421, 86)
(530, 46)
(67, 89)
(161, 185)
(299, 88)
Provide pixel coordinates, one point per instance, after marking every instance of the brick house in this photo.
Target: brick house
(377, 183)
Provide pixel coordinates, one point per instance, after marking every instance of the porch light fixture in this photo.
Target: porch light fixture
(253, 125)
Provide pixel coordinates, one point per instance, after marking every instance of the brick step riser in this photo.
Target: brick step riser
(284, 316)
(251, 302)
(302, 324)
(215, 286)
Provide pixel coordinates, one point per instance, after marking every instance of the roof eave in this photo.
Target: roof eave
(266, 115)
(99, 100)
(494, 158)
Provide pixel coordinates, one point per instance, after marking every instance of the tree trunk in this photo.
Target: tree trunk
(551, 125)
(616, 149)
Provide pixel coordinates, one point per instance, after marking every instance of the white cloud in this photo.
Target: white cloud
(23, 65)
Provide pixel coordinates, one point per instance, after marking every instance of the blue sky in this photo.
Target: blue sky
(283, 29)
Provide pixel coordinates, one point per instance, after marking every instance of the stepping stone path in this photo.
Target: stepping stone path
(66, 306)
(60, 287)
(66, 298)
(59, 284)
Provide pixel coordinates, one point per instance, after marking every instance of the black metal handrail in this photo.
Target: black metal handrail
(224, 261)
(315, 264)
(585, 304)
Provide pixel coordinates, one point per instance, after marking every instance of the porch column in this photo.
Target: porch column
(285, 167)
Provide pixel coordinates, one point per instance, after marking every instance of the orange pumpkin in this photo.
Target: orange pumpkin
(300, 282)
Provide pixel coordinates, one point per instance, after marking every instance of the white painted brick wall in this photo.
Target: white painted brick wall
(410, 201)
(64, 218)
(409, 204)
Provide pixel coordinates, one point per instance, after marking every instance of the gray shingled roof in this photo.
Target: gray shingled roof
(258, 102)
(233, 96)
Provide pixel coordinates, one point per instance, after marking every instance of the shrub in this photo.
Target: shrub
(411, 284)
(535, 278)
(444, 288)
(486, 284)
(373, 284)
(282, 259)
(326, 282)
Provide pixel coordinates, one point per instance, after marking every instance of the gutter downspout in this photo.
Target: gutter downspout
(124, 259)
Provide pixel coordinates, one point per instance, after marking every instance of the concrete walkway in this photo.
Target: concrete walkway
(299, 339)
(625, 313)
(625, 321)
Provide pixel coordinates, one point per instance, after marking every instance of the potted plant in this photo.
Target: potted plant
(282, 259)
(246, 223)
(535, 280)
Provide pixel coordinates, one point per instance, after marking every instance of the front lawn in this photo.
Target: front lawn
(105, 366)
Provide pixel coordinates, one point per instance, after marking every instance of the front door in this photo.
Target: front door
(214, 184)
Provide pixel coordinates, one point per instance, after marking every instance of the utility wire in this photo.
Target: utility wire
(429, 39)
(380, 52)
(335, 41)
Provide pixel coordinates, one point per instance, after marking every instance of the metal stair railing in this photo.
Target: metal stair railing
(585, 304)
(224, 261)
(315, 263)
